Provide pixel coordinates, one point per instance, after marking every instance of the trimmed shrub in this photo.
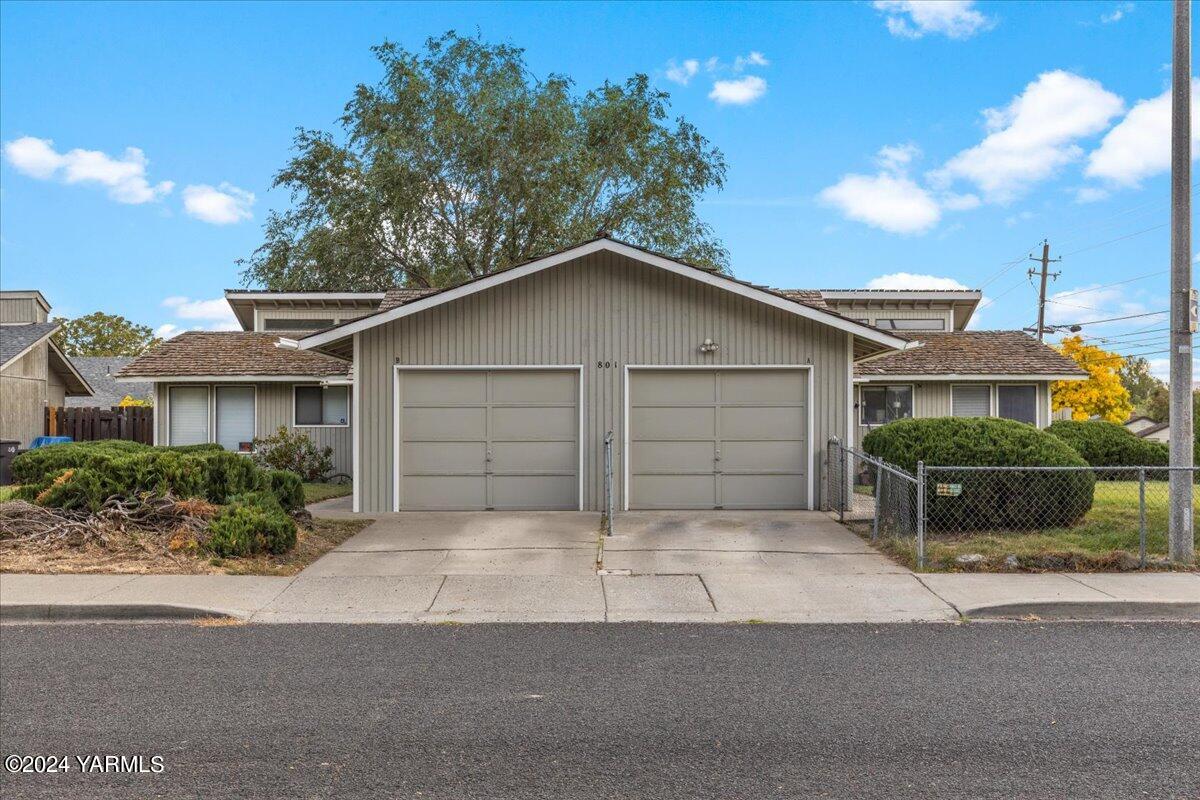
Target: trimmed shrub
(42, 464)
(80, 489)
(1107, 444)
(228, 474)
(1004, 500)
(245, 529)
(285, 486)
(295, 452)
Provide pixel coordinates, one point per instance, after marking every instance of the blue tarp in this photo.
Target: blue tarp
(42, 441)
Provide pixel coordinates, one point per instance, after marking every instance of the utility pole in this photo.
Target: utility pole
(1046, 262)
(1181, 545)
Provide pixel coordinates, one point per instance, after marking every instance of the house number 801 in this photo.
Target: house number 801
(603, 365)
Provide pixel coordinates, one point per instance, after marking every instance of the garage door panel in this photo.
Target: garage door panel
(763, 423)
(673, 491)
(444, 387)
(443, 492)
(767, 387)
(535, 457)
(673, 457)
(673, 423)
(785, 456)
(673, 387)
(762, 491)
(450, 420)
(535, 423)
(534, 387)
(443, 457)
(425, 424)
(756, 418)
(543, 492)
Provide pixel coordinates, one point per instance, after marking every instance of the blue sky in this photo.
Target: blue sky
(864, 140)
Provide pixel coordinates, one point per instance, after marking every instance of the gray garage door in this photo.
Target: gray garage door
(718, 439)
(489, 439)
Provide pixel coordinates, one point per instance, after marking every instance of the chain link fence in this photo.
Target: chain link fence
(1114, 508)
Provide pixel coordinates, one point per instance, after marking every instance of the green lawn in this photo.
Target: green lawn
(6, 492)
(316, 492)
(1105, 538)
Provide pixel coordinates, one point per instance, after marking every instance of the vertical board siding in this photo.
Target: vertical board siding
(602, 308)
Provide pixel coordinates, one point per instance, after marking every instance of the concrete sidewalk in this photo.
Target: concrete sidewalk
(705, 597)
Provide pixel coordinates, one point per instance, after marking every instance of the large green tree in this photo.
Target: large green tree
(1138, 381)
(100, 334)
(459, 162)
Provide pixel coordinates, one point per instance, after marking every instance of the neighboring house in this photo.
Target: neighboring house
(498, 393)
(34, 373)
(1146, 428)
(101, 373)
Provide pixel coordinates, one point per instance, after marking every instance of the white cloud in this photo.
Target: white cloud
(167, 330)
(891, 202)
(1015, 219)
(1089, 303)
(682, 73)
(1139, 146)
(912, 19)
(125, 177)
(216, 313)
(895, 157)
(1117, 14)
(754, 59)
(959, 202)
(1090, 194)
(1033, 136)
(738, 92)
(223, 205)
(909, 280)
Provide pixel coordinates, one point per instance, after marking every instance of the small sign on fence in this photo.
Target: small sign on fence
(949, 489)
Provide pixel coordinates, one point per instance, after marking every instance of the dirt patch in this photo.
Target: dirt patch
(163, 551)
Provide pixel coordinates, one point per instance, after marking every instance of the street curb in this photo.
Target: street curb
(38, 613)
(1090, 611)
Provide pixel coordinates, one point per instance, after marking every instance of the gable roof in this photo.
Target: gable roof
(231, 354)
(17, 340)
(974, 354)
(101, 373)
(798, 302)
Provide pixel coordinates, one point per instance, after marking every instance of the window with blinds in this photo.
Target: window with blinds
(187, 411)
(971, 401)
(235, 417)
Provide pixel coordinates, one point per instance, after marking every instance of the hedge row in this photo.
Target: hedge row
(83, 475)
(1107, 444)
(999, 500)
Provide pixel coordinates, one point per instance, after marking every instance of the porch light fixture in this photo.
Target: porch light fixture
(709, 346)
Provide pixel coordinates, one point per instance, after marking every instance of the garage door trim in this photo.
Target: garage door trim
(629, 368)
(576, 368)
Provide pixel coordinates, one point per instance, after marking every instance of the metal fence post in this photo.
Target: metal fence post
(608, 490)
(920, 514)
(1142, 515)
(878, 502)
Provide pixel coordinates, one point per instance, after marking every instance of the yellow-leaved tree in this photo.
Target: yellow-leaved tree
(1102, 394)
(129, 400)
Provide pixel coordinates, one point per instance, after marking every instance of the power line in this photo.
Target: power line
(1118, 239)
(1057, 297)
(991, 300)
(1112, 319)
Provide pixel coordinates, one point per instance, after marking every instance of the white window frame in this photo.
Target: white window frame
(862, 404)
(349, 405)
(1036, 415)
(167, 410)
(212, 413)
(991, 387)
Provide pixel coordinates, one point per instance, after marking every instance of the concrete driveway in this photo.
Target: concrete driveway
(660, 566)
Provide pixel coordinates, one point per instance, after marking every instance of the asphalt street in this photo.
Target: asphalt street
(1020, 710)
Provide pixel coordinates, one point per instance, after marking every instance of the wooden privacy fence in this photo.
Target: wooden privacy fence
(133, 423)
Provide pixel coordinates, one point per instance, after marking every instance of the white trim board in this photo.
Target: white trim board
(829, 318)
(396, 368)
(713, 368)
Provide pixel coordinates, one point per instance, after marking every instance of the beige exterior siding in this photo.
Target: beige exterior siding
(871, 315)
(23, 394)
(604, 312)
(338, 315)
(21, 309)
(273, 407)
(932, 399)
